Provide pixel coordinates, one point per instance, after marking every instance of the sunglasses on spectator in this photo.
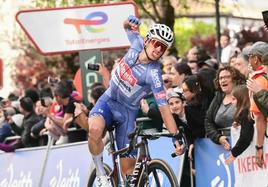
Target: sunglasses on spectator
(157, 43)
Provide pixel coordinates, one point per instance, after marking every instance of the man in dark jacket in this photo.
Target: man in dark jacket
(30, 118)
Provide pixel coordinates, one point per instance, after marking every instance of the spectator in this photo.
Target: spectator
(30, 118)
(242, 118)
(178, 73)
(260, 95)
(32, 93)
(226, 48)
(221, 110)
(210, 63)
(242, 64)
(62, 93)
(168, 62)
(192, 59)
(5, 129)
(195, 108)
(256, 52)
(176, 103)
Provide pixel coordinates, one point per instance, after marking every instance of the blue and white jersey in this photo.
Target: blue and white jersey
(130, 81)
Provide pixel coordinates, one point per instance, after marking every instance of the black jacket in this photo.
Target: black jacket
(246, 133)
(211, 128)
(25, 131)
(195, 115)
(186, 130)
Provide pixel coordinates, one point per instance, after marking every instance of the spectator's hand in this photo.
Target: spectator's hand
(144, 106)
(230, 159)
(103, 71)
(42, 132)
(79, 108)
(235, 124)
(190, 152)
(179, 148)
(223, 141)
(259, 158)
(54, 130)
(67, 123)
(253, 86)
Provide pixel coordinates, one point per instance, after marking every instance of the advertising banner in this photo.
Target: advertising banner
(247, 173)
(67, 165)
(21, 168)
(77, 28)
(209, 163)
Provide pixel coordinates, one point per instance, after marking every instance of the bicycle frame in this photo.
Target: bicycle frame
(140, 165)
(140, 171)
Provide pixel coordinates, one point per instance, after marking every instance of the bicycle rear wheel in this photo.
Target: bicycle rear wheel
(92, 177)
(159, 175)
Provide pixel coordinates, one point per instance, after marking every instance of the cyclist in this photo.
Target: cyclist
(137, 73)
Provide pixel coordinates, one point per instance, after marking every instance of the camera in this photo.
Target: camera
(94, 67)
(53, 80)
(265, 17)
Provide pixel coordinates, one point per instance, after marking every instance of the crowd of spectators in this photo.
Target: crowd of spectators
(206, 98)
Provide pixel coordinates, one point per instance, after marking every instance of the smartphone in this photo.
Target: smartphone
(265, 17)
(52, 80)
(94, 67)
(43, 102)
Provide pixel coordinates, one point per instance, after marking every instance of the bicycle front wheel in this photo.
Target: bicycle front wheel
(92, 177)
(159, 174)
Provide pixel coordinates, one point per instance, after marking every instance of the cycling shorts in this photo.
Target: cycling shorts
(113, 111)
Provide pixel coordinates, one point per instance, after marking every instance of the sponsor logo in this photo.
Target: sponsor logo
(156, 79)
(91, 22)
(23, 179)
(217, 181)
(125, 73)
(160, 95)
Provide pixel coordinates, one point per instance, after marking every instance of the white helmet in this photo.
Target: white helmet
(162, 33)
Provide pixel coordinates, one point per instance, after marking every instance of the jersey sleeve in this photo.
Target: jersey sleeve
(136, 41)
(154, 78)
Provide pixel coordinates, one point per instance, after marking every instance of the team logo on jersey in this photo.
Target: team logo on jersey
(125, 73)
(160, 95)
(156, 79)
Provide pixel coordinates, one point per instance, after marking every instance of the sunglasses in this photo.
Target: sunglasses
(157, 43)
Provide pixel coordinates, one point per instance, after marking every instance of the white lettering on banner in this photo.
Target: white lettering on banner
(84, 41)
(217, 182)
(89, 76)
(72, 180)
(247, 173)
(24, 179)
(155, 77)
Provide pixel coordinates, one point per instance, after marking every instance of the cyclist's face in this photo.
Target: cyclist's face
(155, 49)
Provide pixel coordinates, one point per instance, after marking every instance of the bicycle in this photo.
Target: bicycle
(147, 171)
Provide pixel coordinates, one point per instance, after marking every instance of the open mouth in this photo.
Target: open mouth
(224, 86)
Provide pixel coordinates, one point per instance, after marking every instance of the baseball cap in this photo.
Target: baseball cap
(210, 62)
(259, 49)
(264, 59)
(173, 94)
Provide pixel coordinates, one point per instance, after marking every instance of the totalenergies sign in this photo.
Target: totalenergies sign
(77, 28)
(89, 22)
